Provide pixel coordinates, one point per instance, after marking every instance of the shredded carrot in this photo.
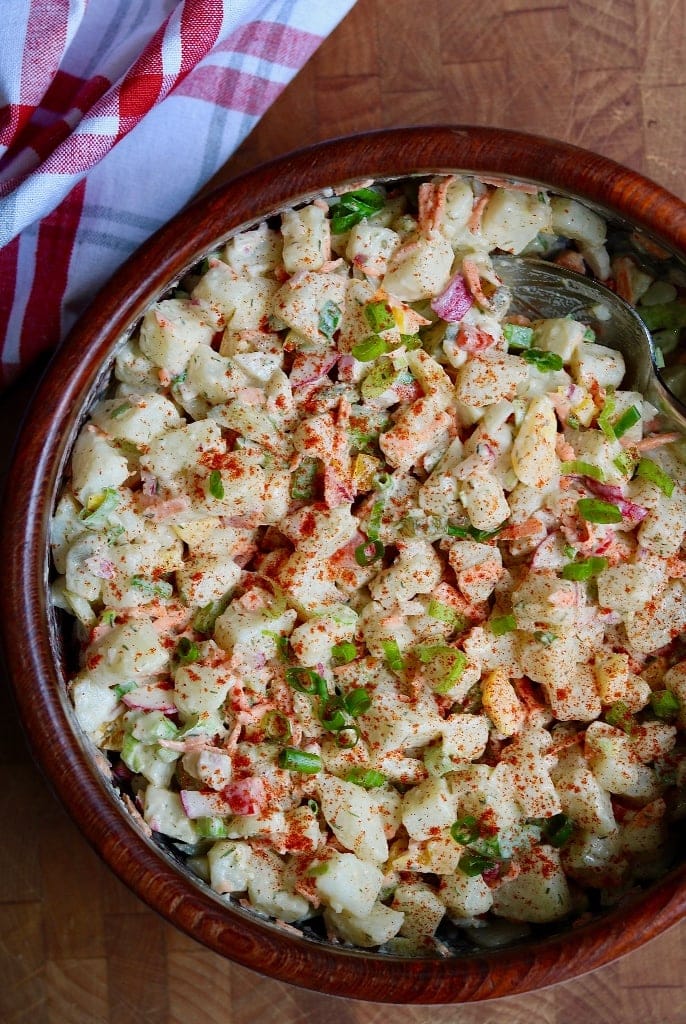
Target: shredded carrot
(656, 441)
(473, 279)
(474, 222)
(571, 260)
(518, 531)
(432, 200)
(564, 449)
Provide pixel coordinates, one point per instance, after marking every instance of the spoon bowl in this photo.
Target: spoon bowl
(543, 290)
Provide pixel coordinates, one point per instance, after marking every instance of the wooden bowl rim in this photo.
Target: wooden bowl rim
(30, 653)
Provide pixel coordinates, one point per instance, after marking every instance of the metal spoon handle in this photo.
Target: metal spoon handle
(544, 290)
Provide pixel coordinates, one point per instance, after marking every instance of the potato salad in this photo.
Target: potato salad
(380, 588)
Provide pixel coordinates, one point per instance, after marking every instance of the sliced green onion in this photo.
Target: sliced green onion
(465, 830)
(620, 717)
(517, 336)
(383, 481)
(211, 828)
(276, 726)
(281, 644)
(353, 207)
(436, 761)
(455, 672)
(664, 315)
(329, 318)
(471, 532)
(121, 688)
(562, 833)
(374, 522)
(604, 418)
(99, 507)
(584, 570)
(444, 613)
(545, 637)
(331, 716)
(120, 410)
(472, 864)
(306, 680)
(588, 335)
(503, 624)
(132, 753)
(594, 510)
(313, 806)
(649, 470)
(368, 778)
(665, 704)
(625, 463)
(371, 348)
(303, 480)
(205, 617)
(348, 738)
(627, 420)
(357, 701)
(544, 361)
(344, 653)
(454, 660)
(487, 846)
(555, 831)
(108, 617)
(569, 551)
(317, 869)
(379, 317)
(179, 379)
(187, 650)
(153, 588)
(427, 652)
(366, 554)
(578, 468)
(294, 760)
(361, 441)
(382, 377)
(216, 485)
(394, 658)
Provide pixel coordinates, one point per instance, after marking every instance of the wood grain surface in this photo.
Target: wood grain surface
(75, 946)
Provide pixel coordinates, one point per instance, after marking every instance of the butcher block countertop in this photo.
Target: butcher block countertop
(75, 946)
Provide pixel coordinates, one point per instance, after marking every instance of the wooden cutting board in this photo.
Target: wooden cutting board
(75, 946)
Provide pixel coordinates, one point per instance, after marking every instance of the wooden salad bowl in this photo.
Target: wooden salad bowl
(35, 648)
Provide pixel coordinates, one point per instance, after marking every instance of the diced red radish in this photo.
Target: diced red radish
(150, 697)
(204, 803)
(101, 567)
(246, 796)
(454, 301)
(611, 492)
(631, 511)
(337, 491)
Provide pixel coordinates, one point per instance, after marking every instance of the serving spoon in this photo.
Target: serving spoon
(545, 290)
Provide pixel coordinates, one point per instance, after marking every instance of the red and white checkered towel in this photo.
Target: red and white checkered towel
(117, 112)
